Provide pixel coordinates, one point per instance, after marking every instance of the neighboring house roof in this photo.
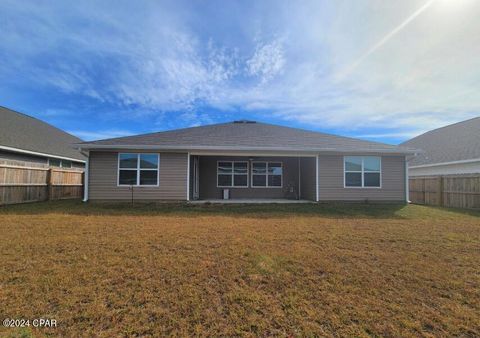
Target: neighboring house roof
(245, 135)
(25, 133)
(455, 142)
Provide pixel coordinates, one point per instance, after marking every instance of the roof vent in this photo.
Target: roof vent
(244, 121)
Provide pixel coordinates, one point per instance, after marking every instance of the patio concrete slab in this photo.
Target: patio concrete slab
(251, 201)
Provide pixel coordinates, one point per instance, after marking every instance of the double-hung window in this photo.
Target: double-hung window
(267, 174)
(138, 169)
(232, 174)
(363, 171)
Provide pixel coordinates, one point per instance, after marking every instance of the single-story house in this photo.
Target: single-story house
(25, 140)
(245, 160)
(454, 149)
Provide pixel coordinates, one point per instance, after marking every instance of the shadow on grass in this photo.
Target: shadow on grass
(458, 211)
(332, 210)
(327, 210)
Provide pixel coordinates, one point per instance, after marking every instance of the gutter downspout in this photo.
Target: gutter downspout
(299, 178)
(316, 179)
(188, 176)
(407, 179)
(86, 177)
(407, 187)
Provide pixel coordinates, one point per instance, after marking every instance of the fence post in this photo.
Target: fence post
(440, 188)
(82, 180)
(424, 192)
(49, 184)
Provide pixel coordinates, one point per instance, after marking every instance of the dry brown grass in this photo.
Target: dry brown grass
(247, 271)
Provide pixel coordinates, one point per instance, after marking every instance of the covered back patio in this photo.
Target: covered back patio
(252, 179)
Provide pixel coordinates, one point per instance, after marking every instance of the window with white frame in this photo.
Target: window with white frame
(267, 174)
(363, 171)
(138, 169)
(232, 174)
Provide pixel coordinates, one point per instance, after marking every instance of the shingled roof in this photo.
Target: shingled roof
(455, 142)
(24, 132)
(245, 135)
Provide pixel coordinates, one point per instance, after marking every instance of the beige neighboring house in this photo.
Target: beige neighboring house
(244, 160)
(25, 140)
(453, 149)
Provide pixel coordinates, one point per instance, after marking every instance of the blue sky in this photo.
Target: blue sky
(374, 69)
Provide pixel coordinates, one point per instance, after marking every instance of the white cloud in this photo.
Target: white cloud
(267, 61)
(348, 70)
(403, 135)
(172, 58)
(87, 135)
(53, 112)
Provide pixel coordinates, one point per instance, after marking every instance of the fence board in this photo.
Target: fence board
(456, 191)
(26, 183)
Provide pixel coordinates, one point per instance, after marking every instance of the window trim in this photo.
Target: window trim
(362, 172)
(233, 174)
(138, 169)
(266, 176)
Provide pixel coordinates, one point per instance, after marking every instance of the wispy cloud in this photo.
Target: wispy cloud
(87, 135)
(411, 65)
(267, 61)
(53, 112)
(402, 135)
(343, 73)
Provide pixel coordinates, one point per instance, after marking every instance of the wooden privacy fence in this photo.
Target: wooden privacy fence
(21, 184)
(455, 191)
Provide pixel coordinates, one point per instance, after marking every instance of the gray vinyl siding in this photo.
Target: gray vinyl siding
(78, 165)
(446, 169)
(331, 181)
(173, 179)
(103, 173)
(7, 156)
(14, 158)
(208, 179)
(307, 178)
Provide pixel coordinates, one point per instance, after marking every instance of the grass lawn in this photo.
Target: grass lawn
(268, 270)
